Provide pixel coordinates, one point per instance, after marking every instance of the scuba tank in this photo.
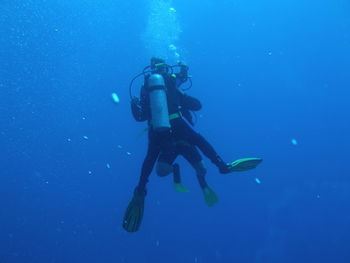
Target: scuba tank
(158, 103)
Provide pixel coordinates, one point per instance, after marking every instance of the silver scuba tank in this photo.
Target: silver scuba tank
(158, 103)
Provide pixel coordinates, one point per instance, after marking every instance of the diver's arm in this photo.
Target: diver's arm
(183, 74)
(188, 116)
(190, 103)
(138, 107)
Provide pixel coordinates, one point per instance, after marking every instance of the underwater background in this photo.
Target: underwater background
(273, 77)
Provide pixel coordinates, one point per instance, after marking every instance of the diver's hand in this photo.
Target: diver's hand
(183, 68)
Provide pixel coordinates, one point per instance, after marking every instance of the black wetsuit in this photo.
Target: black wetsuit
(181, 130)
(191, 154)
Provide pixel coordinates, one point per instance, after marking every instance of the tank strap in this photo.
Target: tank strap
(171, 117)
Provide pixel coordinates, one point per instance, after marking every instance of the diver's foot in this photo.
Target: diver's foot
(225, 169)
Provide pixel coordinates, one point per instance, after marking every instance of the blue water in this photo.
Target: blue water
(273, 78)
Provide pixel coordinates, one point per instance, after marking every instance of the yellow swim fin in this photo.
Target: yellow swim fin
(244, 164)
(134, 212)
(180, 188)
(210, 196)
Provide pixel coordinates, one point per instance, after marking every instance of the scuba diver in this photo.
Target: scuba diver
(160, 104)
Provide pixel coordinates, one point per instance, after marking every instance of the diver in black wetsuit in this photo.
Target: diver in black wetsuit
(180, 129)
(161, 140)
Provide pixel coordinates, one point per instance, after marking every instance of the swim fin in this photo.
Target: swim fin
(244, 164)
(134, 212)
(180, 188)
(210, 196)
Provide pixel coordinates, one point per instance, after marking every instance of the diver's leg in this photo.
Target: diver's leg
(177, 179)
(192, 155)
(244, 164)
(210, 196)
(201, 171)
(185, 132)
(165, 161)
(163, 169)
(156, 143)
(209, 151)
(147, 166)
(134, 212)
(166, 165)
(176, 173)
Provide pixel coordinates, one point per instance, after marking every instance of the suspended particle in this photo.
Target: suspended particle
(108, 166)
(257, 180)
(157, 243)
(115, 98)
(294, 141)
(128, 153)
(172, 47)
(85, 137)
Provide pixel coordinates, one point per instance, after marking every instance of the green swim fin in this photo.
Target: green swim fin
(210, 196)
(180, 188)
(134, 212)
(244, 164)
